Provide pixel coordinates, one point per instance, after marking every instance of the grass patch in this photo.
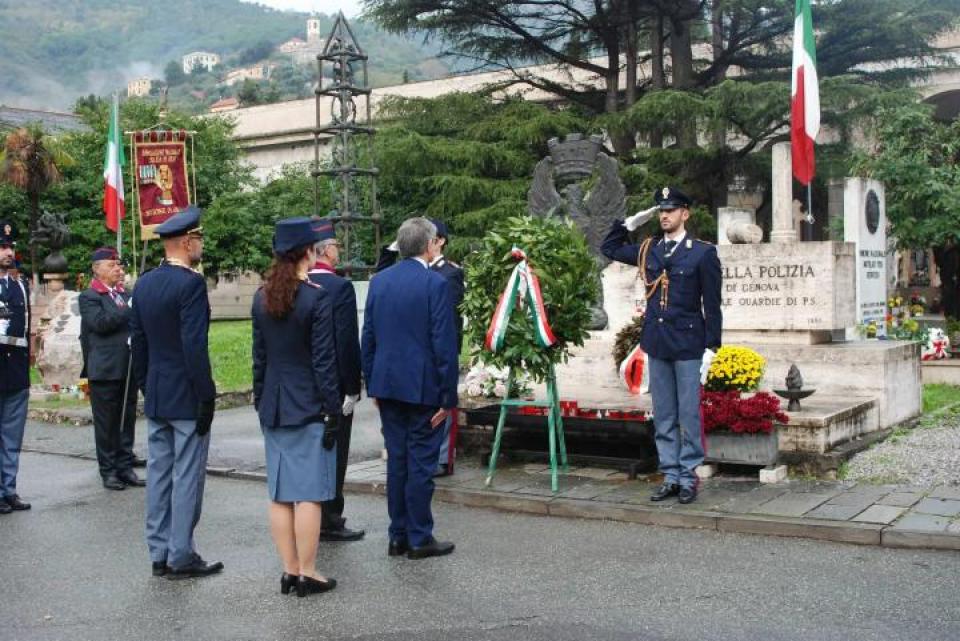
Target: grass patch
(939, 395)
(67, 402)
(231, 348)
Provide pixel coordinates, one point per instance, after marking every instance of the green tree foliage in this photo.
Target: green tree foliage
(562, 262)
(463, 158)
(173, 74)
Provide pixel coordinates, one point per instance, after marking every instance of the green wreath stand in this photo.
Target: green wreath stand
(554, 426)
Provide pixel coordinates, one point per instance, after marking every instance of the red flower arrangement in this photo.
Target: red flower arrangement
(727, 411)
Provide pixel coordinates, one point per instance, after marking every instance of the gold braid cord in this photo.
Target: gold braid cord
(662, 279)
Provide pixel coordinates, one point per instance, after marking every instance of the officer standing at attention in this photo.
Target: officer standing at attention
(104, 339)
(681, 332)
(453, 273)
(169, 321)
(14, 370)
(346, 335)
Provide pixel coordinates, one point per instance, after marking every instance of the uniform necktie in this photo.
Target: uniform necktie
(117, 298)
(671, 244)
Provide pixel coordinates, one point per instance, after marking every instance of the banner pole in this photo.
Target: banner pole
(134, 206)
(116, 192)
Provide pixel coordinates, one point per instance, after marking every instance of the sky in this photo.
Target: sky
(350, 8)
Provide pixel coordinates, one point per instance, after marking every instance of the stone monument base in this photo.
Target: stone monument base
(60, 359)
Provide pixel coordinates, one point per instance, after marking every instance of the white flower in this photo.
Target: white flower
(500, 389)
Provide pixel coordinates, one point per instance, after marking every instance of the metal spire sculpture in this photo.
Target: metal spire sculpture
(346, 129)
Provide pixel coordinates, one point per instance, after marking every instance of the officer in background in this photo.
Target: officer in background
(453, 274)
(104, 340)
(169, 321)
(346, 336)
(14, 369)
(681, 331)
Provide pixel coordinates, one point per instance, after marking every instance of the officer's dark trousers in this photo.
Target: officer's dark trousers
(333, 509)
(13, 417)
(113, 436)
(412, 450)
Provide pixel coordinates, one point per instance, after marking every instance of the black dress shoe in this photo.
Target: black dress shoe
(4, 508)
(160, 568)
(129, 477)
(288, 582)
(138, 462)
(308, 585)
(341, 534)
(433, 548)
(665, 491)
(196, 568)
(687, 495)
(398, 548)
(113, 483)
(16, 504)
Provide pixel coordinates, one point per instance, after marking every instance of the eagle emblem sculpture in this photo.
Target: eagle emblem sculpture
(559, 189)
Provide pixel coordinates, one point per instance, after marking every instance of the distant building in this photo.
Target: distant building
(139, 87)
(255, 72)
(304, 52)
(200, 59)
(224, 104)
(53, 122)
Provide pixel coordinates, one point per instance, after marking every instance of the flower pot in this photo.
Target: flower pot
(742, 449)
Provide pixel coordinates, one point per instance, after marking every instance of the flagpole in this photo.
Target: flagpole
(116, 192)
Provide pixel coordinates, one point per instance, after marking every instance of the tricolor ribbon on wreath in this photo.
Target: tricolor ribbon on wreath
(524, 286)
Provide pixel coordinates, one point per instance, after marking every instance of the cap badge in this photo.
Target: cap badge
(666, 192)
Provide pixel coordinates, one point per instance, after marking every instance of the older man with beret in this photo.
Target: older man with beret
(105, 340)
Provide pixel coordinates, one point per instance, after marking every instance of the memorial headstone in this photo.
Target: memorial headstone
(865, 225)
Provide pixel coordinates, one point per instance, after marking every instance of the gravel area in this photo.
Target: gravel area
(925, 456)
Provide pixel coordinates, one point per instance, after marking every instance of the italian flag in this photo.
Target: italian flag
(113, 164)
(804, 96)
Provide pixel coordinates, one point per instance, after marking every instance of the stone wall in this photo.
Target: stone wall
(232, 295)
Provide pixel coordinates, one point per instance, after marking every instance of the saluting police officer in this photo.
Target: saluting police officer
(453, 273)
(346, 335)
(169, 321)
(681, 331)
(14, 369)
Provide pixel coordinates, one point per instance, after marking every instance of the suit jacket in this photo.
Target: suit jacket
(454, 275)
(14, 359)
(169, 321)
(409, 345)
(692, 319)
(295, 379)
(104, 334)
(346, 333)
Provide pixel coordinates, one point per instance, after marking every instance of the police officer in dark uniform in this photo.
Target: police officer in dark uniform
(14, 369)
(346, 335)
(169, 321)
(453, 273)
(681, 332)
(104, 339)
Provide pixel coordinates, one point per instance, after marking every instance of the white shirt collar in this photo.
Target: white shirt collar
(679, 238)
(422, 262)
(436, 260)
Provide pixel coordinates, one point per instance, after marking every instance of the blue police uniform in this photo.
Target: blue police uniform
(682, 319)
(14, 376)
(453, 274)
(169, 321)
(346, 337)
(294, 388)
(409, 361)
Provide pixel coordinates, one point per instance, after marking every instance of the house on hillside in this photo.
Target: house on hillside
(139, 87)
(293, 45)
(224, 104)
(254, 72)
(203, 59)
(304, 52)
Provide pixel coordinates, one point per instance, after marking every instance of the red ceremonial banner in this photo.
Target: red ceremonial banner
(161, 175)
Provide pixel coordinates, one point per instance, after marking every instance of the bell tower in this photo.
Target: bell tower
(313, 29)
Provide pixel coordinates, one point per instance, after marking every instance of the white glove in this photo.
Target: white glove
(639, 218)
(348, 404)
(393, 247)
(708, 356)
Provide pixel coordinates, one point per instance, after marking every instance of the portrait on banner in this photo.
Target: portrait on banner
(161, 174)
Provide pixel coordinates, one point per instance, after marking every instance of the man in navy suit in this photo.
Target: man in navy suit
(409, 360)
(104, 339)
(347, 339)
(14, 369)
(681, 331)
(169, 320)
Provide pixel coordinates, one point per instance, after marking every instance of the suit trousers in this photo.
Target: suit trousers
(332, 512)
(176, 470)
(412, 450)
(444, 457)
(112, 433)
(13, 417)
(675, 387)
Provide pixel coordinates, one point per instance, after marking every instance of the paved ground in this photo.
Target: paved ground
(75, 568)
